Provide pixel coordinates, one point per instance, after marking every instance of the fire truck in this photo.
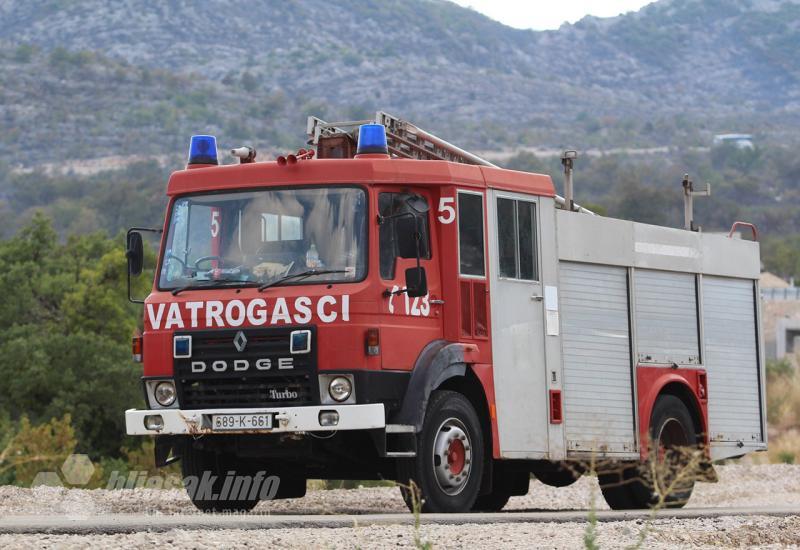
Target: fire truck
(386, 305)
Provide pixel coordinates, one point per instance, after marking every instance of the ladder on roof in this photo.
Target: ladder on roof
(404, 139)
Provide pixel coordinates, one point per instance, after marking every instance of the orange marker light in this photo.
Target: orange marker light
(137, 346)
(373, 341)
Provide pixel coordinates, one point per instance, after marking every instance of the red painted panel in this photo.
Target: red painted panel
(485, 374)
(520, 182)
(479, 305)
(451, 288)
(361, 170)
(649, 383)
(466, 309)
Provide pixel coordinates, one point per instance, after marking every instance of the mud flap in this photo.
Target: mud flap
(707, 473)
(167, 449)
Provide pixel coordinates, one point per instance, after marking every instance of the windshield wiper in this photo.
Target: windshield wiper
(212, 283)
(303, 275)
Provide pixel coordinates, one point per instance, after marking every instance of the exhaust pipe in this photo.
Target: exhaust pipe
(567, 160)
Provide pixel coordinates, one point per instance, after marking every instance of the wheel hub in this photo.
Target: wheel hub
(672, 452)
(455, 456)
(452, 456)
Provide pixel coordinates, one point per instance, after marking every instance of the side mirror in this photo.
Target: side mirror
(416, 282)
(135, 253)
(407, 235)
(417, 204)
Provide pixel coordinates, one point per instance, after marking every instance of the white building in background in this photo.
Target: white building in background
(780, 312)
(742, 141)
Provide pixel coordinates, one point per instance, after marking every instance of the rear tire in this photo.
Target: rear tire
(616, 488)
(450, 457)
(674, 437)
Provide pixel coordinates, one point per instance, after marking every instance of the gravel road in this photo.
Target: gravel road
(740, 485)
(736, 532)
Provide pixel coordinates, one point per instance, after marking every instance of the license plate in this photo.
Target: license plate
(222, 422)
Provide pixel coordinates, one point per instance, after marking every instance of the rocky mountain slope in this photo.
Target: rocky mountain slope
(91, 77)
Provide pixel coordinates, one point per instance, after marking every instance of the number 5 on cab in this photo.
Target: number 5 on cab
(447, 214)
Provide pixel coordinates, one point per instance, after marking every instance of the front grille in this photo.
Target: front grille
(243, 392)
(221, 385)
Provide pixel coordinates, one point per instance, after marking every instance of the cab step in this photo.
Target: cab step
(401, 441)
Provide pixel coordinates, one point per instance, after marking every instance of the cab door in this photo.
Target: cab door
(518, 335)
(408, 324)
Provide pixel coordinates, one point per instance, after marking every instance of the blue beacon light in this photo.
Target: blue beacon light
(372, 140)
(203, 150)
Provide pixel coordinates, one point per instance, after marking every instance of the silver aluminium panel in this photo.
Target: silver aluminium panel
(598, 387)
(608, 241)
(729, 326)
(666, 318)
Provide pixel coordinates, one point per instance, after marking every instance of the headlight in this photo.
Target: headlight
(340, 388)
(165, 393)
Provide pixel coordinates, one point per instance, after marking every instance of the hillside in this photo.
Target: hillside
(674, 73)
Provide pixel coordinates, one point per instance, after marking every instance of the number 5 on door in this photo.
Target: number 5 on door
(447, 214)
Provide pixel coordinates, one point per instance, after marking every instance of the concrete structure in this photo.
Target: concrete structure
(780, 306)
(742, 141)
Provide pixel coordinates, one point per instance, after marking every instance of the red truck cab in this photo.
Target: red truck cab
(303, 313)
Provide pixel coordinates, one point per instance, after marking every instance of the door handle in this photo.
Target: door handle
(436, 302)
(537, 297)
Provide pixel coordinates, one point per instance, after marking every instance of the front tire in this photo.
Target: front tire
(450, 457)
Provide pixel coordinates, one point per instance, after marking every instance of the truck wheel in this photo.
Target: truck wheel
(449, 464)
(616, 488)
(204, 475)
(674, 437)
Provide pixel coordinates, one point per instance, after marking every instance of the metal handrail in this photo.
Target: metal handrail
(752, 227)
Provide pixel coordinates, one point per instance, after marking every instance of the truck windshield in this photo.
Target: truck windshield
(257, 237)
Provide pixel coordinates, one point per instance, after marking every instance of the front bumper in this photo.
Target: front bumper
(286, 419)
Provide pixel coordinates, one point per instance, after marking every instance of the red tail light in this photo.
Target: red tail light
(556, 414)
(702, 385)
(373, 342)
(137, 347)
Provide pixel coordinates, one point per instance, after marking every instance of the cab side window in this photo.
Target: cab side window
(470, 234)
(390, 205)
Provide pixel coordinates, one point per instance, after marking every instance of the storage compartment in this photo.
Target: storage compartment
(732, 360)
(598, 388)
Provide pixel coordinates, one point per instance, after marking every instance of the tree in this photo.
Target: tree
(249, 82)
(65, 337)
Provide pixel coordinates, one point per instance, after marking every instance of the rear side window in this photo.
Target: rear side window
(470, 234)
(391, 204)
(516, 236)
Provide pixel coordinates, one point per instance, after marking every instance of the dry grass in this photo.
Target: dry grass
(783, 413)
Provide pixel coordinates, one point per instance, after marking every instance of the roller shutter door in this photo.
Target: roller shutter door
(598, 394)
(729, 326)
(666, 318)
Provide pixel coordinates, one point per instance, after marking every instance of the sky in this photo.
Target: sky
(548, 14)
